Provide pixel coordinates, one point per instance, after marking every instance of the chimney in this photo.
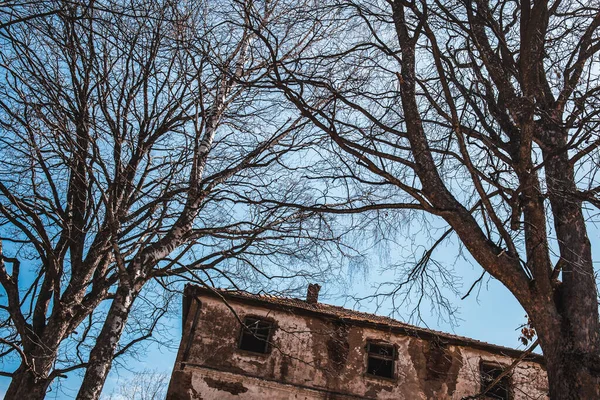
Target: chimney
(312, 295)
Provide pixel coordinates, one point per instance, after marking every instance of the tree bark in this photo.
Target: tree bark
(27, 385)
(101, 356)
(573, 367)
(569, 376)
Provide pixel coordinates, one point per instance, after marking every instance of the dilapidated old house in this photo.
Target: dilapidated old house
(237, 345)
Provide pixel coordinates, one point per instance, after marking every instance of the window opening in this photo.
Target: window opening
(489, 373)
(380, 361)
(255, 335)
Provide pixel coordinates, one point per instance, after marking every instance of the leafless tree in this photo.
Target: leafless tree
(14, 12)
(481, 113)
(144, 385)
(134, 140)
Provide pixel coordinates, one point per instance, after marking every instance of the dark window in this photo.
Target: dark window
(489, 373)
(255, 335)
(380, 361)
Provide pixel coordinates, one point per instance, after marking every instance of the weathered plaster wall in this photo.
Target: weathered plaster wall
(318, 358)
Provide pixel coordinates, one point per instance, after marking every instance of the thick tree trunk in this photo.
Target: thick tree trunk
(26, 385)
(572, 346)
(569, 378)
(102, 354)
(573, 367)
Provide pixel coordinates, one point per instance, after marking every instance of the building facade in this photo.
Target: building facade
(237, 345)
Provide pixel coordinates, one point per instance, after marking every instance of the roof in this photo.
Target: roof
(352, 317)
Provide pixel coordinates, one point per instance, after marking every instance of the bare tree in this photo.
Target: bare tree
(134, 142)
(483, 114)
(144, 385)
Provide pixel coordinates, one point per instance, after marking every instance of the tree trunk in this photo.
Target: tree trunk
(572, 345)
(569, 378)
(102, 354)
(26, 385)
(573, 368)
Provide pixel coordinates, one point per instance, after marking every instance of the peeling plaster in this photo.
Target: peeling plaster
(325, 358)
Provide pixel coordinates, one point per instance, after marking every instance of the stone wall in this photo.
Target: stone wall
(324, 358)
